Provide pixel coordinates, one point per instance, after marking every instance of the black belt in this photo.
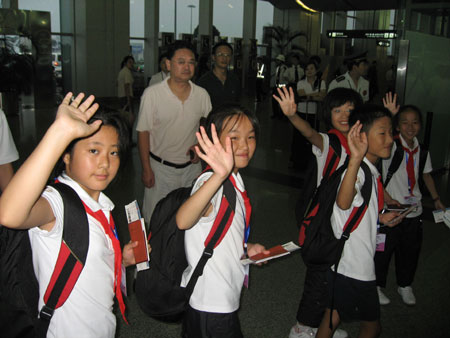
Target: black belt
(170, 164)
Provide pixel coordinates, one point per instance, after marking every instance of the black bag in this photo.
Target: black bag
(398, 158)
(310, 186)
(19, 288)
(320, 248)
(158, 290)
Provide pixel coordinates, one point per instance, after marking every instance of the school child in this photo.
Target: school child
(337, 107)
(405, 240)
(226, 146)
(91, 148)
(354, 286)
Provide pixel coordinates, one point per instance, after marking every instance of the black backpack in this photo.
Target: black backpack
(19, 288)
(158, 290)
(320, 248)
(310, 186)
(398, 158)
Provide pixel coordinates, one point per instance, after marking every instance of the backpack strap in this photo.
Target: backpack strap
(395, 163)
(423, 154)
(218, 231)
(333, 156)
(71, 258)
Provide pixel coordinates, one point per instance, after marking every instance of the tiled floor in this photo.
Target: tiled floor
(269, 306)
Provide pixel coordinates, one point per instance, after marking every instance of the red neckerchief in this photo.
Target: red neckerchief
(410, 168)
(342, 139)
(110, 230)
(380, 194)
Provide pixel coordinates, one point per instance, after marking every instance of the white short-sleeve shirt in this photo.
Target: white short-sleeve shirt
(357, 260)
(171, 123)
(308, 107)
(88, 310)
(125, 76)
(345, 81)
(219, 288)
(398, 187)
(8, 150)
(321, 156)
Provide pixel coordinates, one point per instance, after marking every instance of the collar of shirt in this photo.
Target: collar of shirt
(402, 140)
(104, 203)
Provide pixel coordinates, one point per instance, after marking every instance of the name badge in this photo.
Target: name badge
(381, 241)
(411, 200)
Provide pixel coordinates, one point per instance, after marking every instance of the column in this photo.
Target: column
(102, 33)
(248, 32)
(151, 33)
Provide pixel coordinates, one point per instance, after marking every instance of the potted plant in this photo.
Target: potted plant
(16, 75)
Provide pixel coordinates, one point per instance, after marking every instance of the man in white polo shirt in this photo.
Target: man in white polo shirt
(169, 116)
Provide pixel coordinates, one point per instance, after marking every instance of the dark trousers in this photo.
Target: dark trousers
(301, 149)
(315, 297)
(405, 241)
(199, 324)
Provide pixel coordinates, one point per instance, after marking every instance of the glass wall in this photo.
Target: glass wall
(228, 17)
(51, 6)
(264, 17)
(137, 32)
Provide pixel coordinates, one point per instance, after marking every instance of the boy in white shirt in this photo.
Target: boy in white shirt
(354, 285)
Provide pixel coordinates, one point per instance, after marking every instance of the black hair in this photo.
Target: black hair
(404, 109)
(125, 60)
(318, 79)
(162, 56)
(180, 44)
(222, 115)
(336, 98)
(352, 63)
(316, 59)
(367, 114)
(219, 44)
(109, 118)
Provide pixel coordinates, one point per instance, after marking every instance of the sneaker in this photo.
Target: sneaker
(340, 334)
(407, 295)
(302, 331)
(382, 297)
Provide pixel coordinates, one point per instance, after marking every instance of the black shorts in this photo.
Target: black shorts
(200, 324)
(354, 300)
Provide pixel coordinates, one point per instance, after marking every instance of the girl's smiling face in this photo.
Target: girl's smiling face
(243, 139)
(339, 117)
(94, 161)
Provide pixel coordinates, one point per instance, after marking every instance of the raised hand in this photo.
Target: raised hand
(286, 101)
(357, 141)
(73, 115)
(390, 102)
(219, 159)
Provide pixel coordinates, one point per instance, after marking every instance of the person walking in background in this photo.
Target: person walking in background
(279, 80)
(169, 116)
(310, 90)
(222, 85)
(354, 78)
(163, 74)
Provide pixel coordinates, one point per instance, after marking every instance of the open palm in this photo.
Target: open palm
(220, 159)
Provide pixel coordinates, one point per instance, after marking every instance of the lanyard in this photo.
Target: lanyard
(248, 210)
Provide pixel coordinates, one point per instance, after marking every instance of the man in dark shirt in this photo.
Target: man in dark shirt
(223, 86)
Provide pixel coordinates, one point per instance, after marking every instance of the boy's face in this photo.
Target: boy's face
(408, 125)
(379, 139)
(243, 140)
(339, 117)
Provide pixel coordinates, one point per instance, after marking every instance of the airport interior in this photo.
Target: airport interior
(78, 45)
